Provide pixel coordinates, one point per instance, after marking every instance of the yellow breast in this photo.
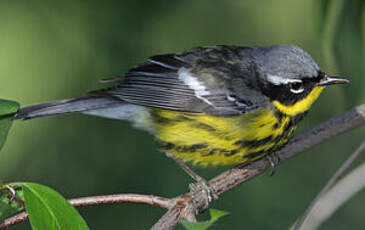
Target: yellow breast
(208, 140)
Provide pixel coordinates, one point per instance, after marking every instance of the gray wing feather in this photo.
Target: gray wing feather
(156, 83)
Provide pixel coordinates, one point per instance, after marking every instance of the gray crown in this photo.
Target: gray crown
(284, 61)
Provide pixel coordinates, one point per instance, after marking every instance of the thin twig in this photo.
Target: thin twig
(152, 200)
(12, 196)
(338, 195)
(99, 200)
(299, 224)
(14, 220)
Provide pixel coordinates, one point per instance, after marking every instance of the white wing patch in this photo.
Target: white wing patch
(277, 80)
(193, 83)
(232, 99)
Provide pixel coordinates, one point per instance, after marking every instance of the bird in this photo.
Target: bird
(210, 105)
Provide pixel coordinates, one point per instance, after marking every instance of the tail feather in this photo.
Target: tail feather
(81, 104)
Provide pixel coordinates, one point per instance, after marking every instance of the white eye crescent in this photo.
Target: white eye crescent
(296, 88)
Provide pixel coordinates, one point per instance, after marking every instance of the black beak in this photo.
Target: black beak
(329, 80)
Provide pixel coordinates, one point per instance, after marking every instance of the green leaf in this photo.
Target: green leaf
(8, 107)
(214, 216)
(47, 209)
(7, 111)
(9, 207)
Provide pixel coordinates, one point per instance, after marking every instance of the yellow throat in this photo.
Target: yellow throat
(302, 105)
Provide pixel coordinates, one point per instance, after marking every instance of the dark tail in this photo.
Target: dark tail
(81, 104)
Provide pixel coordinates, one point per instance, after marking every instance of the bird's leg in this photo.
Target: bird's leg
(201, 182)
(274, 160)
(186, 168)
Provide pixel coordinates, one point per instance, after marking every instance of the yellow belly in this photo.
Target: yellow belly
(207, 140)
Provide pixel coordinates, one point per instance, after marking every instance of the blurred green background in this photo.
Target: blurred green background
(60, 49)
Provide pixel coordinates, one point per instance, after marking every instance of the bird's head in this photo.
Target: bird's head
(290, 77)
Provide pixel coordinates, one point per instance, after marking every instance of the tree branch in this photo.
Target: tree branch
(152, 200)
(188, 205)
(99, 200)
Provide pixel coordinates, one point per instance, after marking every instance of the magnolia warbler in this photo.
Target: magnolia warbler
(213, 105)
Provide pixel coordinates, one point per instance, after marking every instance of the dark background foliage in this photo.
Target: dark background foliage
(59, 49)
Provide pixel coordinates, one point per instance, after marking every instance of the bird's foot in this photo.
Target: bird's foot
(274, 160)
(203, 185)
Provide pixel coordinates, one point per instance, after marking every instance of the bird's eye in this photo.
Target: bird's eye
(296, 88)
